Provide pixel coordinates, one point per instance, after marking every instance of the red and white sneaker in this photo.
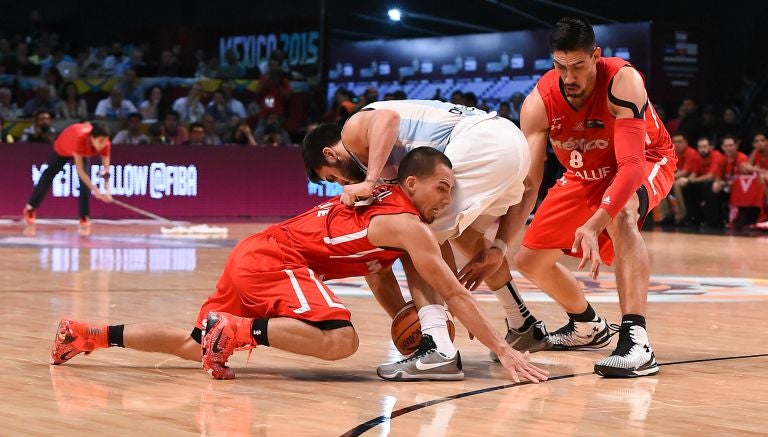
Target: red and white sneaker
(84, 228)
(223, 333)
(29, 215)
(29, 221)
(73, 338)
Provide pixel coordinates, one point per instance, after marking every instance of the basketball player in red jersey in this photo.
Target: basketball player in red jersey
(75, 142)
(271, 292)
(620, 163)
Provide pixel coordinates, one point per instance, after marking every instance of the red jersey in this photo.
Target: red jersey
(759, 160)
(331, 238)
(732, 167)
(689, 160)
(583, 139)
(75, 139)
(713, 163)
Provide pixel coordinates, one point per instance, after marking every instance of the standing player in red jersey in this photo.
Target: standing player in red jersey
(620, 163)
(271, 292)
(76, 142)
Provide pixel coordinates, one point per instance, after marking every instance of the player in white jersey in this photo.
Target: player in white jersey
(491, 159)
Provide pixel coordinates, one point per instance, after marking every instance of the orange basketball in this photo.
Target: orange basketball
(406, 329)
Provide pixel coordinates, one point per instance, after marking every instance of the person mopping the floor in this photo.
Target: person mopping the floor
(77, 142)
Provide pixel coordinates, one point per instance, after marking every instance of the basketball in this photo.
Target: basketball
(406, 329)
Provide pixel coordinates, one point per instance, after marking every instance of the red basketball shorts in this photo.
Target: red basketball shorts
(572, 201)
(264, 280)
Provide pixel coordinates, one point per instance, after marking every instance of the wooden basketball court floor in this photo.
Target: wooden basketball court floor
(706, 318)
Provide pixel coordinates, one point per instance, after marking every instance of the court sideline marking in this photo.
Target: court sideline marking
(367, 426)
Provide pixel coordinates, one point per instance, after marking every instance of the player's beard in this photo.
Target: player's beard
(579, 93)
(350, 170)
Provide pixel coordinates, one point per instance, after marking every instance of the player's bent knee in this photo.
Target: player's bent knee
(525, 263)
(341, 343)
(625, 221)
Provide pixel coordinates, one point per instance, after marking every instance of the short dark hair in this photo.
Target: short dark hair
(704, 137)
(758, 132)
(40, 112)
(172, 112)
(728, 137)
(325, 135)
(135, 115)
(572, 33)
(679, 133)
(192, 126)
(421, 162)
(99, 130)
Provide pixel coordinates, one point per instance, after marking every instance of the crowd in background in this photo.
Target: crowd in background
(716, 144)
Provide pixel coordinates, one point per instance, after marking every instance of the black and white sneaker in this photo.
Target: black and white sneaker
(633, 356)
(533, 339)
(426, 364)
(581, 336)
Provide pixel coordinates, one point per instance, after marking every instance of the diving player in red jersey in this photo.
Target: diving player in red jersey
(620, 163)
(271, 292)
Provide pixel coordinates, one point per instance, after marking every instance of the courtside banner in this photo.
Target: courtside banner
(225, 182)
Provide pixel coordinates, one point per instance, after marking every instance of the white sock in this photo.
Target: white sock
(434, 322)
(517, 312)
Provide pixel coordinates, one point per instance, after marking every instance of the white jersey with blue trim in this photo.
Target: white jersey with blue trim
(425, 123)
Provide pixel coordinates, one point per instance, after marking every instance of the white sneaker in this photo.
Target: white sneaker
(426, 364)
(581, 336)
(633, 356)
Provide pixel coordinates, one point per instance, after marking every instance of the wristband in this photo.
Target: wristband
(501, 245)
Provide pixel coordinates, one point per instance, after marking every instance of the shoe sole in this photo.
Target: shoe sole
(613, 372)
(647, 369)
(402, 376)
(54, 360)
(579, 348)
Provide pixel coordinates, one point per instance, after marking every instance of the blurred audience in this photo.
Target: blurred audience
(41, 130)
(153, 104)
(131, 87)
(196, 135)
(270, 131)
(190, 109)
(71, 106)
(8, 108)
(209, 127)
(114, 107)
(132, 134)
(173, 132)
(42, 101)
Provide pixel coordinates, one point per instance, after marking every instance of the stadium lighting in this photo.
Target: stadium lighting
(394, 14)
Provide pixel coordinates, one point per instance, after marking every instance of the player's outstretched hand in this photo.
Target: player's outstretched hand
(586, 240)
(352, 193)
(517, 365)
(481, 266)
(104, 197)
